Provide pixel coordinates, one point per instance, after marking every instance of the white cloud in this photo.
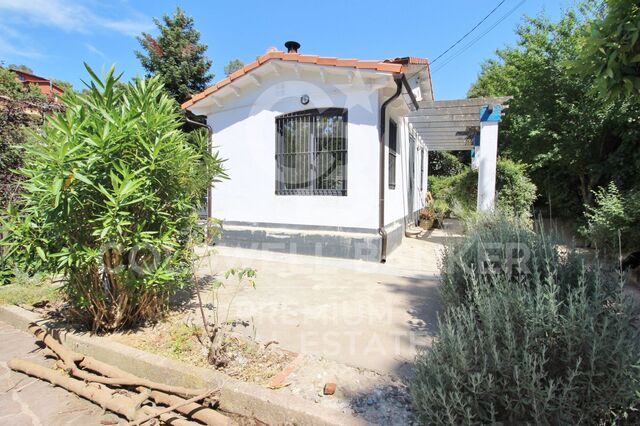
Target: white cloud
(91, 48)
(72, 17)
(15, 43)
(8, 48)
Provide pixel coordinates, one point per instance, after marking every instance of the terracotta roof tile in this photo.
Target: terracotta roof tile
(387, 67)
(408, 60)
(368, 64)
(346, 62)
(309, 59)
(237, 74)
(291, 56)
(326, 60)
(250, 66)
(224, 82)
(394, 65)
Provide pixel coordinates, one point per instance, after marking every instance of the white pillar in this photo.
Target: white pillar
(426, 169)
(489, 122)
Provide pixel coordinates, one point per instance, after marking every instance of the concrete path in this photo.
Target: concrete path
(27, 401)
(364, 314)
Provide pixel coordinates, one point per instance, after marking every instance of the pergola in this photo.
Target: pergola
(464, 124)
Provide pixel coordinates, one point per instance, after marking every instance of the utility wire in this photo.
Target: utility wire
(467, 46)
(470, 31)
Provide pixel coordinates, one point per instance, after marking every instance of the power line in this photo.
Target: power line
(461, 51)
(470, 31)
(467, 46)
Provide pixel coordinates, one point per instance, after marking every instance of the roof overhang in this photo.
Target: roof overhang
(273, 62)
(366, 78)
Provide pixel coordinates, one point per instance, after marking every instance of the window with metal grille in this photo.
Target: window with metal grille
(393, 152)
(311, 152)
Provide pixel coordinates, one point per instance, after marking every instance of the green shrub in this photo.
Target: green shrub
(612, 213)
(515, 193)
(531, 354)
(500, 244)
(110, 200)
(442, 188)
(443, 163)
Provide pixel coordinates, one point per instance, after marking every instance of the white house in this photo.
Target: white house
(321, 155)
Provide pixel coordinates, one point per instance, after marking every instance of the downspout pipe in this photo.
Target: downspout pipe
(209, 149)
(381, 190)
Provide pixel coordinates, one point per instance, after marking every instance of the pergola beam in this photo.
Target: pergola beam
(449, 118)
(448, 143)
(451, 126)
(446, 124)
(471, 102)
(448, 148)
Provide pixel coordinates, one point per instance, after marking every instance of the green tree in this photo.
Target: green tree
(611, 50)
(20, 67)
(556, 123)
(14, 121)
(63, 84)
(112, 192)
(233, 66)
(176, 56)
(443, 163)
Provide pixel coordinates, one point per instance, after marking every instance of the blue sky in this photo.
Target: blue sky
(54, 37)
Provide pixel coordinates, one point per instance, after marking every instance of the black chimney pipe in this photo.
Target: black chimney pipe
(292, 46)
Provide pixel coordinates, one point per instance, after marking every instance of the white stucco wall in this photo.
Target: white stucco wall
(397, 204)
(244, 133)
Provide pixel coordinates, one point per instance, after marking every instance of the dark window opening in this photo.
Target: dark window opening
(421, 169)
(311, 152)
(393, 153)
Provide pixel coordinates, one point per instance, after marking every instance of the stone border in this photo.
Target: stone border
(236, 397)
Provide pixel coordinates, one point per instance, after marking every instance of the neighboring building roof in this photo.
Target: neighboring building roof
(394, 65)
(32, 78)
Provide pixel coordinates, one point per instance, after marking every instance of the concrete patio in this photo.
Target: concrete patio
(365, 314)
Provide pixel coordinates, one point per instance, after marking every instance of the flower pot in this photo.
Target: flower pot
(426, 224)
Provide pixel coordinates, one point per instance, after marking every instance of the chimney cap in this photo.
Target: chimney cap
(292, 46)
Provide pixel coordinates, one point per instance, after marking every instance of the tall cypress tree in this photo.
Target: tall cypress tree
(176, 55)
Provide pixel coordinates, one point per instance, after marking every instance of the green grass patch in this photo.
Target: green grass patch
(28, 290)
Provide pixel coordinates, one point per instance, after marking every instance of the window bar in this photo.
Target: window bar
(320, 139)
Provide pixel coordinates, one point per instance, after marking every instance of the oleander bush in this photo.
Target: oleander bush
(110, 200)
(530, 334)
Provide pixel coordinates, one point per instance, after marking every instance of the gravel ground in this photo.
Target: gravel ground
(377, 398)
